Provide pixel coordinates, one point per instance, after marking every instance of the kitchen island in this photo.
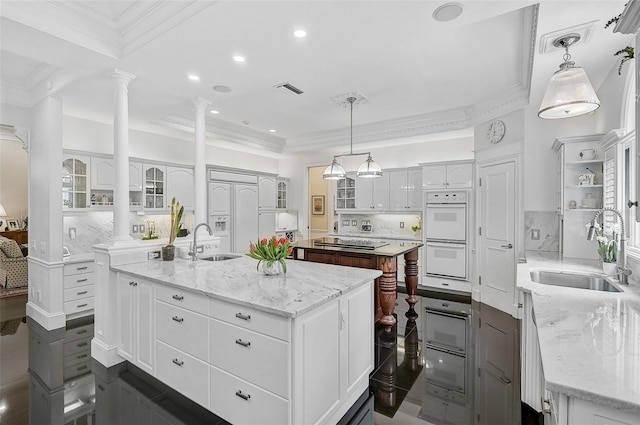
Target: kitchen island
(286, 349)
(371, 255)
(580, 347)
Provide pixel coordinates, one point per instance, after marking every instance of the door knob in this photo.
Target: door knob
(508, 246)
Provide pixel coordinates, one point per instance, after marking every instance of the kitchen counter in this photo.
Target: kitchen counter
(304, 287)
(589, 340)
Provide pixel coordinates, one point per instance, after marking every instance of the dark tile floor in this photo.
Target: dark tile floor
(47, 378)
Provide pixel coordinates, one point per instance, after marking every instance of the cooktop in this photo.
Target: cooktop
(349, 243)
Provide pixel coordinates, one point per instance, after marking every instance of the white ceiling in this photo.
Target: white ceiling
(419, 76)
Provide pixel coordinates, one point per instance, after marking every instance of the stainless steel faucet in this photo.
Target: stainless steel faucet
(193, 249)
(621, 262)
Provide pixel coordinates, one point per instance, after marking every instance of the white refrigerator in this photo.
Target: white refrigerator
(233, 214)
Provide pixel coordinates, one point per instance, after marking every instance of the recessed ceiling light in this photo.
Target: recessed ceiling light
(447, 12)
(300, 33)
(222, 89)
(272, 131)
(213, 111)
(194, 77)
(239, 58)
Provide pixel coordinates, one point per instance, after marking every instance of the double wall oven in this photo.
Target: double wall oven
(445, 225)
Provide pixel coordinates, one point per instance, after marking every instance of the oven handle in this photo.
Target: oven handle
(452, 205)
(446, 245)
(456, 315)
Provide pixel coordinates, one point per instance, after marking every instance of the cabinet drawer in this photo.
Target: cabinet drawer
(181, 298)
(76, 280)
(76, 370)
(183, 329)
(77, 306)
(252, 319)
(77, 358)
(76, 346)
(244, 353)
(78, 293)
(240, 402)
(79, 332)
(77, 268)
(183, 372)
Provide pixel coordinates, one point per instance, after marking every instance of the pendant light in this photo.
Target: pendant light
(569, 92)
(369, 169)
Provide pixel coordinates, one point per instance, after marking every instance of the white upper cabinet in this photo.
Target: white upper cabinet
(373, 194)
(154, 182)
(346, 193)
(448, 176)
(135, 176)
(102, 173)
(266, 192)
(219, 198)
(180, 184)
(405, 189)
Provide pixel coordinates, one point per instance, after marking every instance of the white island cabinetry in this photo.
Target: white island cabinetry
(319, 352)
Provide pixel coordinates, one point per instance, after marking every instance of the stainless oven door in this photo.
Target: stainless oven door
(447, 222)
(446, 259)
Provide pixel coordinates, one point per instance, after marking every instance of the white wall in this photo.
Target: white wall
(13, 179)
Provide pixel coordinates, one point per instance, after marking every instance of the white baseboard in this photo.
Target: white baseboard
(46, 320)
(107, 355)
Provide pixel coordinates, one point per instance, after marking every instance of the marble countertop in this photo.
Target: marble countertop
(393, 249)
(79, 258)
(305, 286)
(589, 340)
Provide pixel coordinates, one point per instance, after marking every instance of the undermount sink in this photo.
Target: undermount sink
(593, 282)
(220, 257)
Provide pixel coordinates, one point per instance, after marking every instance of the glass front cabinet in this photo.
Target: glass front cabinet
(154, 180)
(75, 182)
(281, 193)
(346, 193)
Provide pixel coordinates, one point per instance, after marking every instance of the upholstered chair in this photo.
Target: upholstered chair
(13, 265)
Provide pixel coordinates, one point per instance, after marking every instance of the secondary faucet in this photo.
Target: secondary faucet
(621, 262)
(193, 249)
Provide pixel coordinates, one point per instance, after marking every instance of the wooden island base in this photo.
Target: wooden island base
(386, 286)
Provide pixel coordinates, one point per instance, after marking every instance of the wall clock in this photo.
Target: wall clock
(496, 130)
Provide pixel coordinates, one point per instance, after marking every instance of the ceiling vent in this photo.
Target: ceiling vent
(288, 88)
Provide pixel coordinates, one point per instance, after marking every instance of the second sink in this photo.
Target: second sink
(593, 282)
(219, 257)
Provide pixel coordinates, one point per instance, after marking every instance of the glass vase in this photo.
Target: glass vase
(271, 270)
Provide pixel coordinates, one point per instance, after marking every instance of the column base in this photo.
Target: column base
(49, 321)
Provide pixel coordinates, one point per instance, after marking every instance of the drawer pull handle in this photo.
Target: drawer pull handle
(243, 396)
(83, 331)
(82, 356)
(82, 280)
(132, 283)
(178, 297)
(82, 268)
(82, 305)
(243, 343)
(243, 316)
(82, 344)
(445, 284)
(82, 367)
(445, 304)
(505, 380)
(178, 319)
(82, 293)
(178, 362)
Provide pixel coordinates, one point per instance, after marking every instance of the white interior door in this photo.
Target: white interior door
(497, 270)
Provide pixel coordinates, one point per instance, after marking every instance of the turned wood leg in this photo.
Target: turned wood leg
(411, 276)
(387, 290)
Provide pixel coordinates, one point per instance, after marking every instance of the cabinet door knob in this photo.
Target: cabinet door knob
(132, 283)
(508, 246)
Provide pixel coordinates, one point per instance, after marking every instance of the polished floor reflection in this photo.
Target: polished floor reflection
(423, 374)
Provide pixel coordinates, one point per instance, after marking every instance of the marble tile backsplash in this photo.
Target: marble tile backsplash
(96, 227)
(545, 226)
(387, 224)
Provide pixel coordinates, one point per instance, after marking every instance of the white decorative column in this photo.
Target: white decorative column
(200, 172)
(121, 156)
